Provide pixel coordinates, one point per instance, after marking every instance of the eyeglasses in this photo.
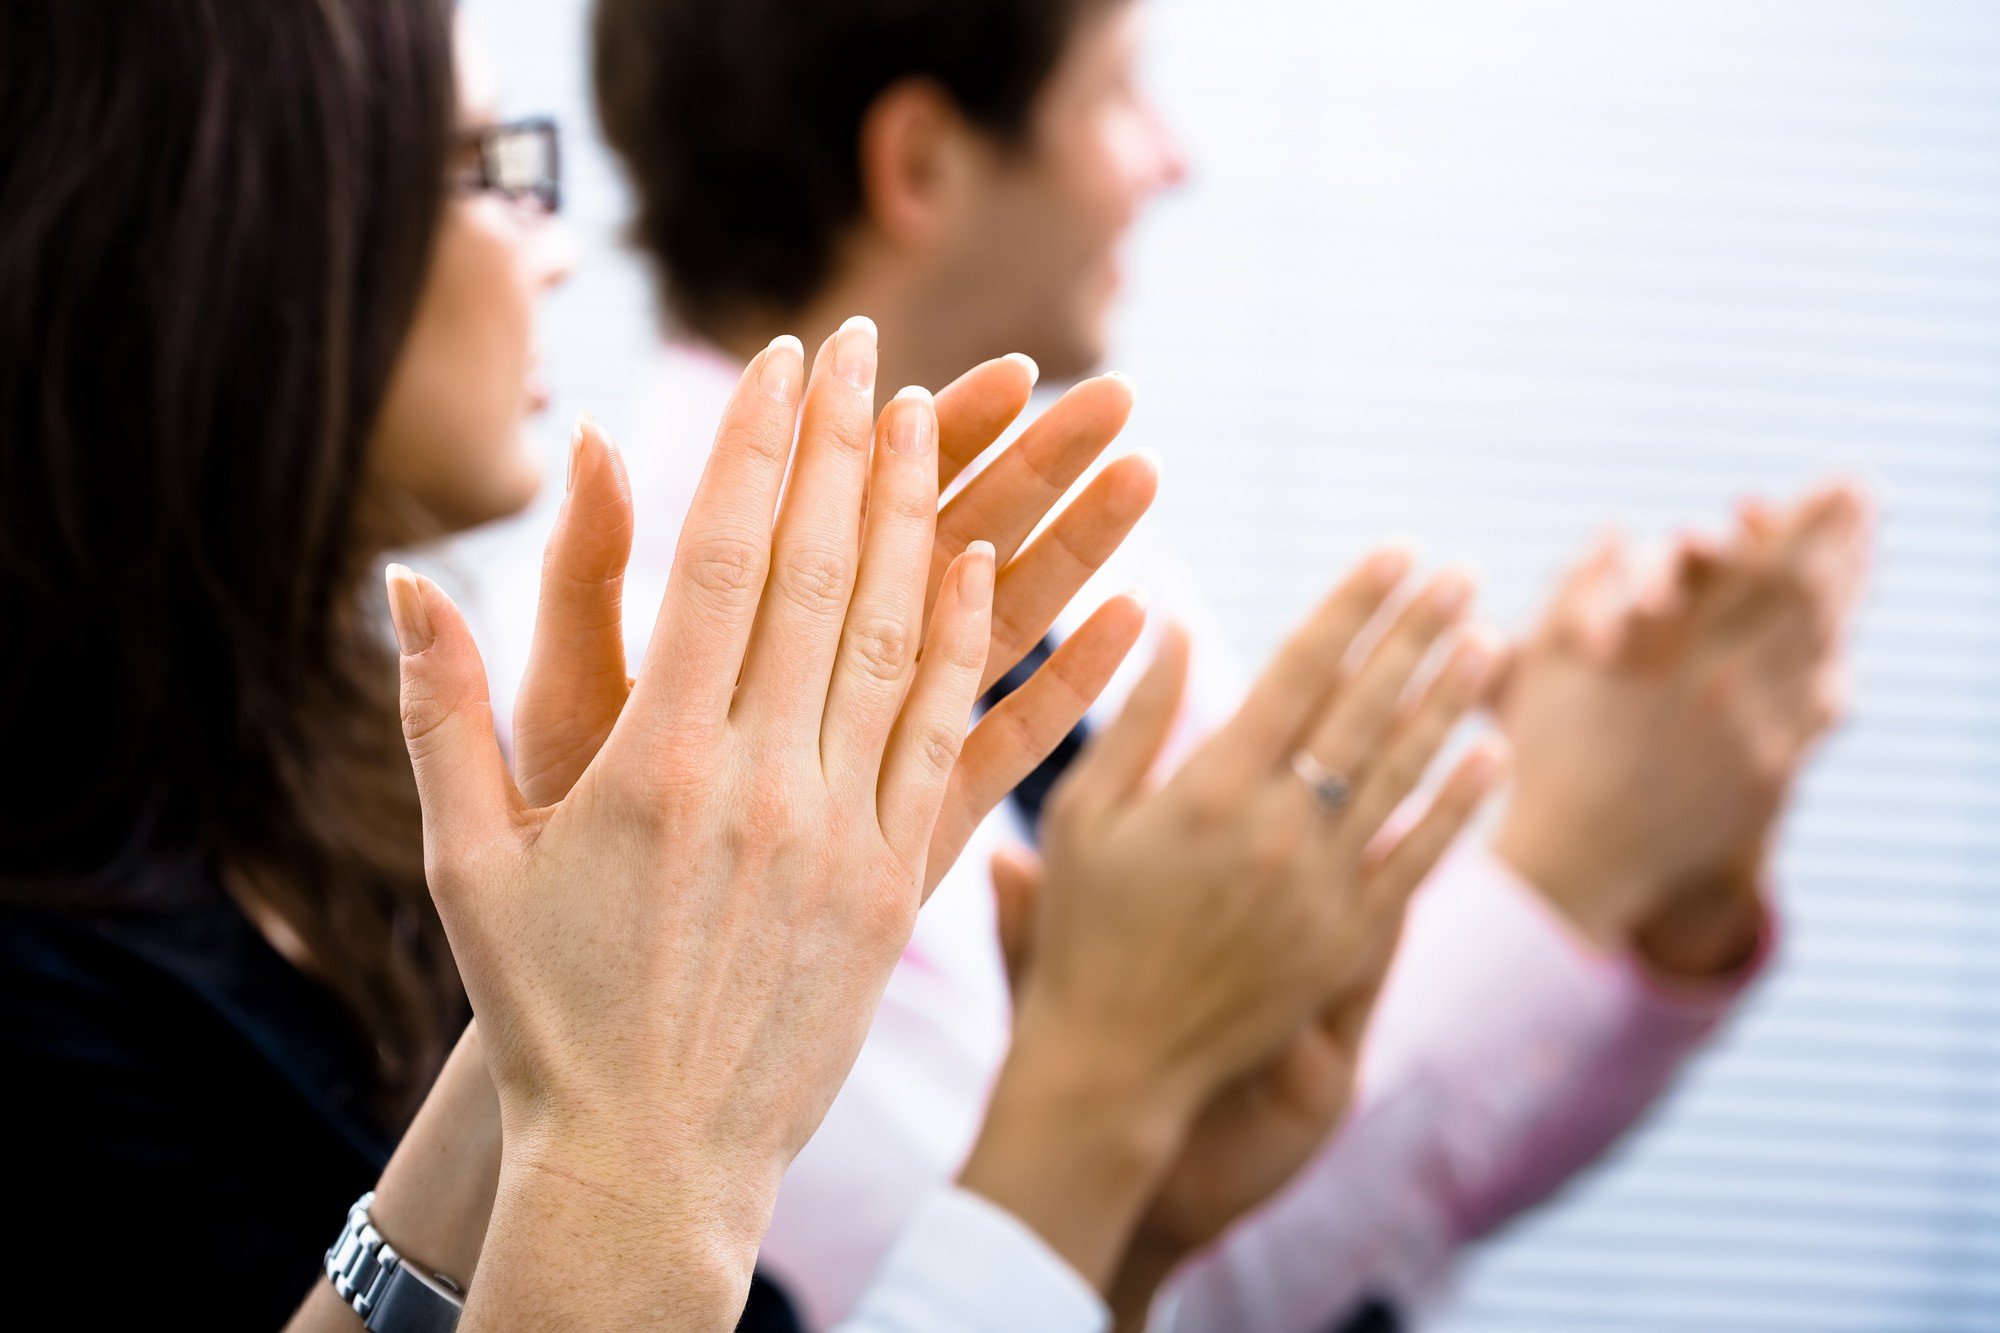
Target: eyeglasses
(520, 160)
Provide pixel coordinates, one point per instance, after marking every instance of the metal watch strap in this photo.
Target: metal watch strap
(390, 1294)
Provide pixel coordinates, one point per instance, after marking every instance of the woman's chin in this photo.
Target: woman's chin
(504, 491)
(523, 485)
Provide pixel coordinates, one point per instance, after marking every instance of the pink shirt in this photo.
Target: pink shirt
(1506, 1054)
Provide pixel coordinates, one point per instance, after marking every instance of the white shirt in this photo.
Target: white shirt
(1505, 1054)
(963, 1265)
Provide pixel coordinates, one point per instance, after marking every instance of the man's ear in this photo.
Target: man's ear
(915, 156)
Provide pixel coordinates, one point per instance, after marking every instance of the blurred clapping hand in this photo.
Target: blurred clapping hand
(1661, 716)
(1199, 958)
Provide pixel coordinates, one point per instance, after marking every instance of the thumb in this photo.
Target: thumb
(576, 683)
(1018, 876)
(468, 799)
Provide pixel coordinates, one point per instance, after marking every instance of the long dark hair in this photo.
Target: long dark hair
(215, 219)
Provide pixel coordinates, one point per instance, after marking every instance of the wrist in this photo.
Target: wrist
(1709, 927)
(1143, 1269)
(650, 1173)
(1598, 902)
(1073, 1144)
(647, 1245)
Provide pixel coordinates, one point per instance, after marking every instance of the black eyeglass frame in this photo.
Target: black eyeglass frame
(490, 143)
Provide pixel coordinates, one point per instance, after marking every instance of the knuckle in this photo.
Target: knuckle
(938, 745)
(880, 647)
(1006, 634)
(746, 438)
(908, 506)
(423, 712)
(815, 580)
(728, 568)
(966, 653)
(442, 871)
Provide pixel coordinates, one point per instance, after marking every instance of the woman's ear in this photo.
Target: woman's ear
(916, 153)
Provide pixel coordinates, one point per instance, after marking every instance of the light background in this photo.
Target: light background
(1488, 274)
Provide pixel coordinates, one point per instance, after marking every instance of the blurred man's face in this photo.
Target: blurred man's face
(1038, 264)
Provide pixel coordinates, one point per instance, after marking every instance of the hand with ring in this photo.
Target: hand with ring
(1192, 932)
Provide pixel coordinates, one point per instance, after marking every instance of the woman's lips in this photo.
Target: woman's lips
(538, 391)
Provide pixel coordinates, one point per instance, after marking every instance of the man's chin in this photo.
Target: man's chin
(1075, 352)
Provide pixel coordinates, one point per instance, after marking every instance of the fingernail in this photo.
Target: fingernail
(910, 425)
(1476, 657)
(854, 352)
(1451, 592)
(1487, 761)
(583, 423)
(1142, 597)
(1391, 565)
(1028, 364)
(406, 611)
(784, 367)
(978, 585)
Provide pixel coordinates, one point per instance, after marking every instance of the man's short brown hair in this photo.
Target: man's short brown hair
(739, 122)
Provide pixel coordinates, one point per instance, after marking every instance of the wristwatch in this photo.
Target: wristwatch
(391, 1294)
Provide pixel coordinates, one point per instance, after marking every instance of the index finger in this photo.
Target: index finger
(1292, 688)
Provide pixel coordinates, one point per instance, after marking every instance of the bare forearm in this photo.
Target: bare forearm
(1073, 1151)
(1695, 928)
(568, 1252)
(437, 1192)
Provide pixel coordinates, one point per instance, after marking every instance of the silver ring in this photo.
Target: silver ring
(1331, 789)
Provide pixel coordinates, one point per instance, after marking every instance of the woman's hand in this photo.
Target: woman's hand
(437, 1195)
(1193, 935)
(576, 683)
(674, 966)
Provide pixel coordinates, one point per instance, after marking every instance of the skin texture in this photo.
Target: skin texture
(674, 965)
(951, 213)
(437, 1195)
(1197, 974)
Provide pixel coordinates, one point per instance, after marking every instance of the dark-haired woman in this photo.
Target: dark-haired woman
(260, 316)
(266, 284)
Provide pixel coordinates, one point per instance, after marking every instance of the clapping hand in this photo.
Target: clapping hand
(674, 960)
(1661, 717)
(576, 684)
(1194, 977)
